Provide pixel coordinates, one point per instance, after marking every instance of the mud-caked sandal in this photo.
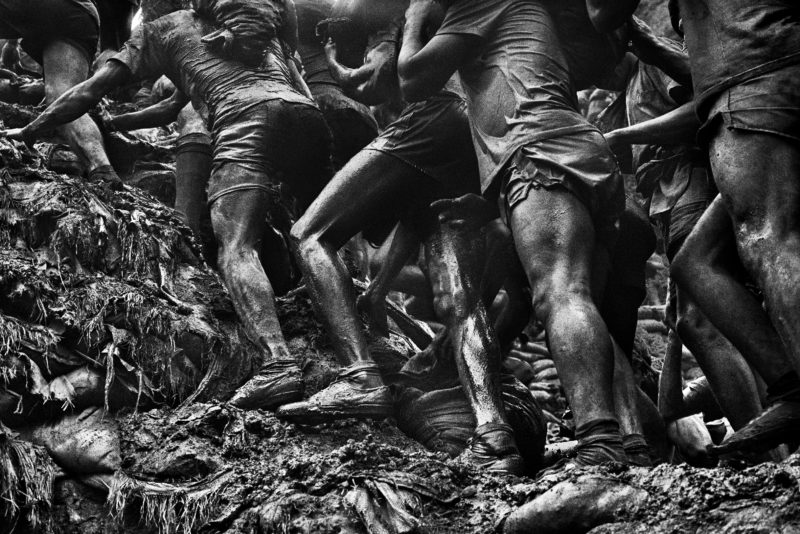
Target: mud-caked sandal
(346, 398)
(277, 383)
(493, 448)
(596, 449)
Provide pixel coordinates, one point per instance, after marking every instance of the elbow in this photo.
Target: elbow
(412, 81)
(412, 90)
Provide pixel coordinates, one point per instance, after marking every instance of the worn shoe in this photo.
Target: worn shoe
(780, 423)
(493, 448)
(596, 449)
(343, 399)
(637, 450)
(278, 382)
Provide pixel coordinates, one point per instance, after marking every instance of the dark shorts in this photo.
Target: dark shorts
(582, 164)
(769, 103)
(351, 123)
(434, 138)
(39, 22)
(676, 224)
(270, 143)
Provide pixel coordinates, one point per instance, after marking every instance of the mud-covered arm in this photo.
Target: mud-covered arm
(670, 383)
(75, 101)
(424, 66)
(659, 51)
(364, 83)
(678, 126)
(608, 15)
(159, 114)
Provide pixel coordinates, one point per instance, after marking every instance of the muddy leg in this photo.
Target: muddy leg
(727, 372)
(455, 258)
(192, 168)
(238, 220)
(65, 66)
(554, 237)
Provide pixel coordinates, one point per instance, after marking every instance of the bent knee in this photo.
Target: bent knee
(549, 298)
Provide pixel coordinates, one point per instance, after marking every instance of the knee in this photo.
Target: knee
(303, 237)
(234, 253)
(554, 296)
(690, 321)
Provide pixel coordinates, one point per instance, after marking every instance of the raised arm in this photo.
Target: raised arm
(608, 15)
(369, 83)
(678, 126)
(159, 114)
(75, 101)
(424, 66)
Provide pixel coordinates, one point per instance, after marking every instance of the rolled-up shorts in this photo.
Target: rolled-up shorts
(270, 143)
(39, 22)
(768, 103)
(582, 164)
(678, 223)
(351, 123)
(432, 137)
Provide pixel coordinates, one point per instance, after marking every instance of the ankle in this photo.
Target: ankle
(365, 375)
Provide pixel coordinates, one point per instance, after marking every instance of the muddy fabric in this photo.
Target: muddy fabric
(732, 41)
(351, 123)
(274, 141)
(678, 223)
(172, 46)
(246, 107)
(41, 21)
(580, 163)
(591, 55)
(433, 137)
(768, 103)
(518, 87)
(246, 27)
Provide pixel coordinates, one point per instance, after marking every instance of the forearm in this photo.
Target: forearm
(160, 114)
(404, 243)
(670, 387)
(74, 103)
(678, 126)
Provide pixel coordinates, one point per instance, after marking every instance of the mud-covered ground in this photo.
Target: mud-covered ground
(207, 467)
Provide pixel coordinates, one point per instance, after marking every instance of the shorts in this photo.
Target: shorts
(676, 224)
(351, 123)
(582, 164)
(768, 103)
(272, 142)
(434, 138)
(39, 22)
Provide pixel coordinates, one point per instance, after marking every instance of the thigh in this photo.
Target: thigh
(555, 240)
(370, 185)
(757, 175)
(238, 218)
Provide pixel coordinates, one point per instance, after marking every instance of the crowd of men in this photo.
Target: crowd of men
(454, 127)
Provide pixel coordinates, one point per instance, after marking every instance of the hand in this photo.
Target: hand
(643, 41)
(469, 211)
(19, 134)
(108, 120)
(330, 50)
